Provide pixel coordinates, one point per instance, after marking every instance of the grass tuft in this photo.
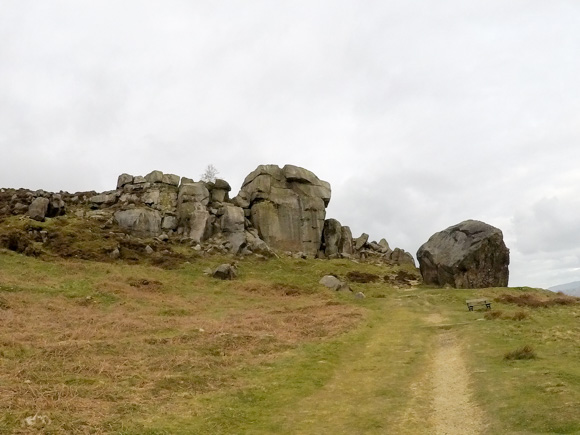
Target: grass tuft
(525, 352)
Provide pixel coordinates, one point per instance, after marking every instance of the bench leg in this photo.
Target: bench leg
(470, 308)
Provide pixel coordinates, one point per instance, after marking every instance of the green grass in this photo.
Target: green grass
(115, 348)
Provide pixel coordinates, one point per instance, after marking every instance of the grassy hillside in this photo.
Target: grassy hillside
(96, 347)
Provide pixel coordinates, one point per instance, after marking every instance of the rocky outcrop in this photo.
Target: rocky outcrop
(46, 205)
(287, 206)
(471, 254)
(282, 209)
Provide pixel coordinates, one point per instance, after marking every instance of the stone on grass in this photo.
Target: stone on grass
(332, 282)
(471, 254)
(225, 271)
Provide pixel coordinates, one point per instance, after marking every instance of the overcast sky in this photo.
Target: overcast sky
(420, 113)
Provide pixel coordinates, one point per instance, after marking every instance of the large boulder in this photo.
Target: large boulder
(38, 208)
(345, 246)
(123, 180)
(194, 221)
(193, 217)
(287, 206)
(232, 226)
(361, 241)
(332, 237)
(143, 222)
(56, 206)
(154, 177)
(471, 254)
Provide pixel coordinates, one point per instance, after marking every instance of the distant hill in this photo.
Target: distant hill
(571, 288)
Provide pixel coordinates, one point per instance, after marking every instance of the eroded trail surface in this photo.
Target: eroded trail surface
(406, 375)
(454, 411)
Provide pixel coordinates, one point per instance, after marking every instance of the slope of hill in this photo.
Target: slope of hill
(571, 288)
(126, 346)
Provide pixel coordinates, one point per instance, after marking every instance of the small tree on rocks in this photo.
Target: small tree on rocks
(209, 174)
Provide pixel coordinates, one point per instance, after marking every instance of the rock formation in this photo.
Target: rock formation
(287, 206)
(471, 254)
(280, 208)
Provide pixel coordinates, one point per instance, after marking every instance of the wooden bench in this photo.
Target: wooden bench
(474, 302)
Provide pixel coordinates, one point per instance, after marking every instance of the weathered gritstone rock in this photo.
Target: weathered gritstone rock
(280, 208)
(345, 245)
(193, 217)
(361, 241)
(38, 209)
(471, 254)
(225, 271)
(287, 206)
(56, 206)
(142, 222)
(332, 238)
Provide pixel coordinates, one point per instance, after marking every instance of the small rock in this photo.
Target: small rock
(225, 271)
(163, 237)
(331, 282)
(149, 250)
(37, 421)
(359, 295)
(344, 288)
(115, 254)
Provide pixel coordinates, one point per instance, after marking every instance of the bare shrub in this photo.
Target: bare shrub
(563, 299)
(4, 305)
(268, 289)
(533, 300)
(520, 315)
(362, 277)
(525, 352)
(491, 315)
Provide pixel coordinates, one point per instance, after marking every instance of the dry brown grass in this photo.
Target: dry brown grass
(524, 352)
(92, 362)
(499, 314)
(362, 277)
(520, 315)
(491, 315)
(535, 300)
(269, 289)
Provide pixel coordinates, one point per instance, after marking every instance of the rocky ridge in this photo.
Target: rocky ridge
(277, 210)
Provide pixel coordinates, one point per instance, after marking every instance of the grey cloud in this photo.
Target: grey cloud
(550, 225)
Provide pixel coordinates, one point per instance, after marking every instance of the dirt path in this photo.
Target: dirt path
(396, 379)
(454, 411)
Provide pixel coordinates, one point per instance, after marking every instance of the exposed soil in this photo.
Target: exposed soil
(454, 411)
